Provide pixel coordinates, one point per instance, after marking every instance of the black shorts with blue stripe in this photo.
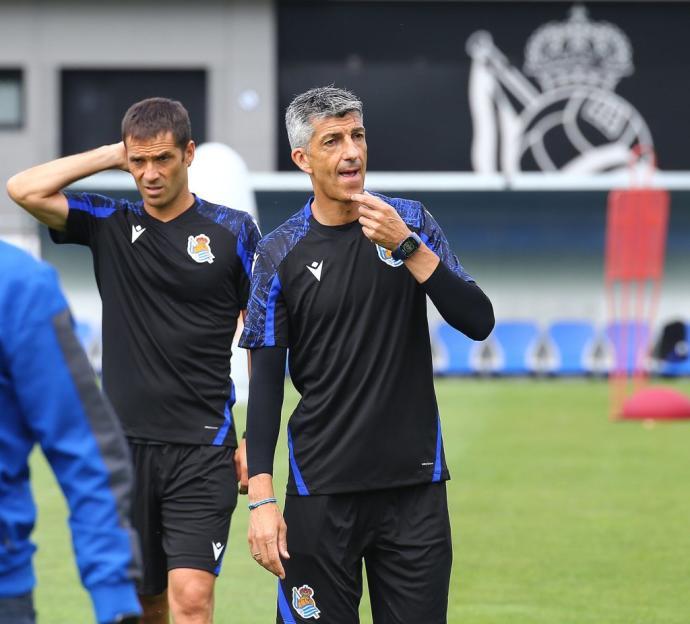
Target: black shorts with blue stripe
(402, 535)
(184, 497)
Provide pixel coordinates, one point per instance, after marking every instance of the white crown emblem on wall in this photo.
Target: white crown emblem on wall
(578, 51)
(562, 113)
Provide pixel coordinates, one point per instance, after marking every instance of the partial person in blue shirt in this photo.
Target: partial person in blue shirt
(49, 396)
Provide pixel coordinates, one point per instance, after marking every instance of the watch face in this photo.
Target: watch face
(409, 246)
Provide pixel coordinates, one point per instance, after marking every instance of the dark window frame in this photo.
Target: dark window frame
(9, 72)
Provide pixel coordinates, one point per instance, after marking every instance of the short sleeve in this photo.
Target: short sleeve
(87, 211)
(266, 324)
(434, 238)
(247, 242)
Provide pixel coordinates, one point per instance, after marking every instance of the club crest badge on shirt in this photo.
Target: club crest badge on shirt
(199, 248)
(386, 256)
(303, 602)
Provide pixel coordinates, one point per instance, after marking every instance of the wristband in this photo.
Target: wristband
(265, 501)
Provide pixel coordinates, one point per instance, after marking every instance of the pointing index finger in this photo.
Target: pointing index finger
(367, 199)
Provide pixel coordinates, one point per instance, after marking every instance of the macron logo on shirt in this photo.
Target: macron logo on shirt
(137, 231)
(315, 269)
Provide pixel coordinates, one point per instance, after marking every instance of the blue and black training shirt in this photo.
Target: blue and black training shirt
(172, 292)
(355, 323)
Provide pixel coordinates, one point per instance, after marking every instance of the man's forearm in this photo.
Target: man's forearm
(51, 177)
(264, 406)
(37, 189)
(462, 304)
(422, 263)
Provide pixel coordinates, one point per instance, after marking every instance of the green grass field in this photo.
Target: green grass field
(559, 516)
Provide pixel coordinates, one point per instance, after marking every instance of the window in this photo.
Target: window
(11, 96)
(94, 101)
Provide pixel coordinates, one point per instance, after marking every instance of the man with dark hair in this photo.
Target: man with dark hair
(342, 284)
(49, 396)
(148, 118)
(173, 273)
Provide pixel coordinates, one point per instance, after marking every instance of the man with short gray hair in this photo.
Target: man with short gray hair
(342, 284)
(314, 104)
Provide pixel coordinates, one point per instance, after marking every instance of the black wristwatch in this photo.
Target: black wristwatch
(405, 249)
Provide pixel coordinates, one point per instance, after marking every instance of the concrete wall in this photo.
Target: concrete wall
(234, 40)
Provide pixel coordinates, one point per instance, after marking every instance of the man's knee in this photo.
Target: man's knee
(192, 600)
(191, 594)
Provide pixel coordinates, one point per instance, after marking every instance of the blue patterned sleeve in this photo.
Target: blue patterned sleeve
(247, 241)
(434, 238)
(266, 322)
(87, 211)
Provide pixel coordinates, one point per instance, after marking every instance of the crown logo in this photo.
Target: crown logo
(578, 52)
(305, 591)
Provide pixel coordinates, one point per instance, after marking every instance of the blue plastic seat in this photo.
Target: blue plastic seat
(677, 366)
(458, 351)
(572, 343)
(515, 343)
(630, 343)
(675, 369)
